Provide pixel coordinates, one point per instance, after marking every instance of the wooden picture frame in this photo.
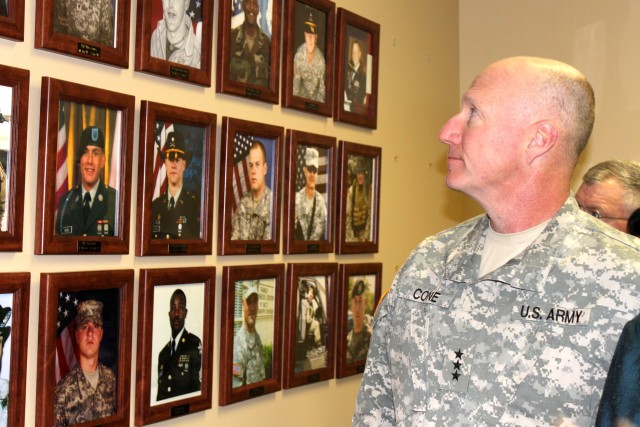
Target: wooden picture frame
(191, 62)
(358, 295)
(302, 231)
(352, 104)
(248, 77)
(14, 101)
(187, 137)
(254, 292)
(362, 237)
(14, 330)
(244, 229)
(165, 392)
(309, 355)
(313, 20)
(60, 227)
(12, 20)
(67, 30)
(62, 297)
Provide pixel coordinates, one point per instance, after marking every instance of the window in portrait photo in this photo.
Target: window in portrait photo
(311, 215)
(178, 173)
(250, 55)
(252, 219)
(309, 76)
(94, 21)
(253, 331)
(98, 312)
(6, 98)
(311, 324)
(357, 78)
(360, 302)
(359, 198)
(177, 31)
(177, 374)
(6, 321)
(88, 170)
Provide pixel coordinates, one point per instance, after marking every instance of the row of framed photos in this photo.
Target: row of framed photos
(86, 143)
(174, 40)
(277, 331)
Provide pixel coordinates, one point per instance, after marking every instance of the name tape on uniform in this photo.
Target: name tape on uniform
(431, 296)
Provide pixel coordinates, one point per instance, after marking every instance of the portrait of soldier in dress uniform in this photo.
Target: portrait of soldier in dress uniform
(178, 34)
(359, 199)
(310, 203)
(92, 20)
(309, 67)
(360, 317)
(88, 391)
(175, 213)
(250, 43)
(311, 324)
(88, 209)
(356, 78)
(180, 360)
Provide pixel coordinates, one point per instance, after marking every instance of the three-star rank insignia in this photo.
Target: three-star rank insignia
(456, 367)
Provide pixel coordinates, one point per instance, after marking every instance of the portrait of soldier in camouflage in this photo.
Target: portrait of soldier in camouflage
(91, 20)
(88, 391)
(359, 199)
(310, 205)
(359, 334)
(250, 56)
(309, 66)
(248, 366)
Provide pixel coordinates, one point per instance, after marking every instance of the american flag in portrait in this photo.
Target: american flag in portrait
(322, 180)
(159, 172)
(66, 356)
(241, 178)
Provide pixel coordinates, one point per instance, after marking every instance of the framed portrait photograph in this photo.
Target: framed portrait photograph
(309, 199)
(96, 30)
(359, 199)
(14, 331)
(14, 117)
(307, 70)
(250, 182)
(248, 61)
(84, 348)
(175, 343)
(12, 19)
(251, 332)
(309, 354)
(358, 296)
(357, 57)
(173, 39)
(84, 170)
(175, 180)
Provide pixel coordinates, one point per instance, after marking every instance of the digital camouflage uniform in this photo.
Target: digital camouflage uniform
(527, 344)
(180, 222)
(358, 226)
(77, 402)
(181, 372)
(358, 344)
(248, 367)
(250, 65)
(304, 210)
(308, 79)
(253, 224)
(88, 19)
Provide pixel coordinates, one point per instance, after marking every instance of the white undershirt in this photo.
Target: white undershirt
(500, 248)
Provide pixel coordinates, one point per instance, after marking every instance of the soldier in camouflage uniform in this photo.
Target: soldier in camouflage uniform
(88, 391)
(91, 20)
(510, 318)
(174, 38)
(309, 66)
(358, 227)
(248, 366)
(250, 55)
(310, 207)
(252, 220)
(359, 337)
(180, 360)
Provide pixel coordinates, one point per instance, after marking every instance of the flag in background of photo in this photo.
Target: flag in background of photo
(159, 171)
(266, 9)
(62, 175)
(66, 354)
(321, 180)
(241, 178)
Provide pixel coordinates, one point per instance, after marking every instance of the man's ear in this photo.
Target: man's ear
(543, 140)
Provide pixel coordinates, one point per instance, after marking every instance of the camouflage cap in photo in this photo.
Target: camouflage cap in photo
(89, 311)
